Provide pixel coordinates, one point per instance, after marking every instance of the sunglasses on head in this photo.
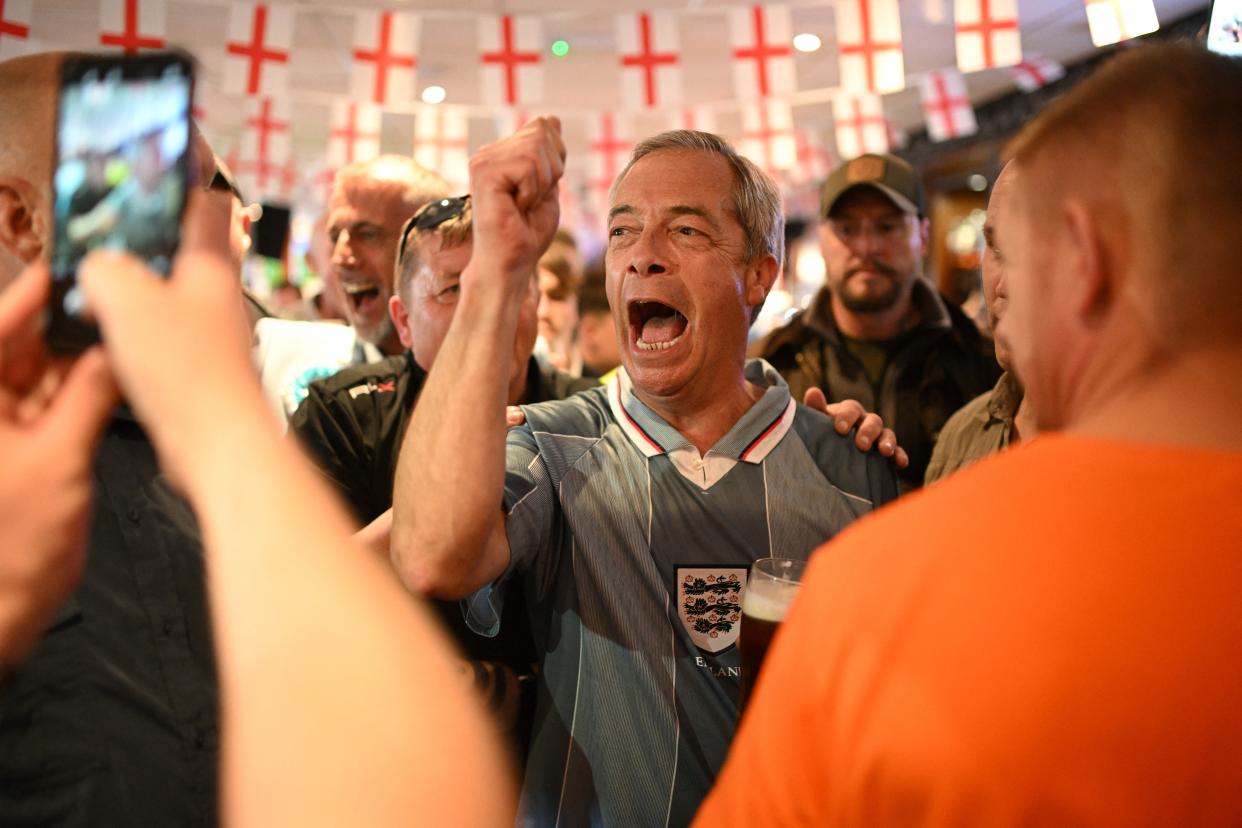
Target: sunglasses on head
(430, 216)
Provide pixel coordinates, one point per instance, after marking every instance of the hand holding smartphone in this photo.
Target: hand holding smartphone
(121, 174)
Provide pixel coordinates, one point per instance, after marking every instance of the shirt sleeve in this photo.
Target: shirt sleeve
(532, 523)
(330, 435)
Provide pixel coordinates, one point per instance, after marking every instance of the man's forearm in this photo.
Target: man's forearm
(310, 629)
(450, 475)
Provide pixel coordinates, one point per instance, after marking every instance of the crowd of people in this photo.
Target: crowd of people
(438, 565)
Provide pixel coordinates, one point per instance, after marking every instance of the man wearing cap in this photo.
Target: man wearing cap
(877, 332)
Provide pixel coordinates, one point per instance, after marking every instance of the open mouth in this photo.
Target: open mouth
(360, 293)
(655, 326)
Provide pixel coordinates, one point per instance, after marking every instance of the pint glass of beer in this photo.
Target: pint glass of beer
(770, 591)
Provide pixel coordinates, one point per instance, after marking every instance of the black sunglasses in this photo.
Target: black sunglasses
(430, 216)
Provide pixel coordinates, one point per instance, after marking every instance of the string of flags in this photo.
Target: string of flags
(384, 65)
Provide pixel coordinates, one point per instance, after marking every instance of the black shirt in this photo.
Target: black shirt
(113, 719)
(352, 425)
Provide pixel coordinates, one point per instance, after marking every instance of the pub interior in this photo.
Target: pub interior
(856, 379)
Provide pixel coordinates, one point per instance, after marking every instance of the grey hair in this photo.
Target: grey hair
(756, 200)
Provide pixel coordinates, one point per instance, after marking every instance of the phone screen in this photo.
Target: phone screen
(122, 143)
(1225, 29)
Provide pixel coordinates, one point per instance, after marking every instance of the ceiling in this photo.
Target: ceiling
(579, 85)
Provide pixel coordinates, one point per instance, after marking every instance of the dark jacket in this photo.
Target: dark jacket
(933, 370)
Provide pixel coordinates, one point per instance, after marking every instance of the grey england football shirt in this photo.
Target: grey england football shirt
(634, 551)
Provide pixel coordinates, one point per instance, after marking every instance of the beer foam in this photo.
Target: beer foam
(769, 602)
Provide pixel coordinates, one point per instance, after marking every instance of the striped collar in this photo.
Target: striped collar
(750, 439)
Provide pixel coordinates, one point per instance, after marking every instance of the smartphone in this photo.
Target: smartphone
(121, 173)
(1224, 34)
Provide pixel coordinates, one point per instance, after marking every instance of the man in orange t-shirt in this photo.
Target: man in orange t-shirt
(1087, 670)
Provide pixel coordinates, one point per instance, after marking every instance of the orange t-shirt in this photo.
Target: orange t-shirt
(1053, 637)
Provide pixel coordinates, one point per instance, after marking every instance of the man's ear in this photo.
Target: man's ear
(22, 225)
(924, 237)
(760, 277)
(401, 320)
(1092, 286)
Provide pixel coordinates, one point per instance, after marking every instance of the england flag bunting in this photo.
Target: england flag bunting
(131, 25)
(264, 149)
(14, 28)
(987, 34)
(355, 132)
(1036, 73)
(511, 60)
(761, 38)
(1112, 21)
(257, 50)
(869, 46)
(860, 124)
(609, 150)
(946, 105)
(441, 143)
(650, 59)
(694, 117)
(814, 162)
(385, 57)
(768, 135)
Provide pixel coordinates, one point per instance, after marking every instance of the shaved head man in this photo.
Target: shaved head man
(370, 202)
(1086, 673)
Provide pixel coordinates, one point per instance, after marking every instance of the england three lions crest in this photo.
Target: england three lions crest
(709, 603)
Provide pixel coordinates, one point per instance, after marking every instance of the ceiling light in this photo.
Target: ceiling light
(807, 42)
(978, 183)
(434, 94)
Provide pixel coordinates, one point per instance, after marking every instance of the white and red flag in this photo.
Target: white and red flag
(768, 135)
(385, 57)
(264, 147)
(132, 25)
(355, 132)
(609, 151)
(1112, 21)
(869, 45)
(650, 59)
(860, 124)
(257, 52)
(987, 34)
(14, 28)
(441, 142)
(814, 161)
(946, 105)
(695, 117)
(761, 37)
(511, 57)
(1036, 73)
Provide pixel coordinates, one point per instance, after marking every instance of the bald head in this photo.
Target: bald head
(1149, 144)
(395, 176)
(28, 87)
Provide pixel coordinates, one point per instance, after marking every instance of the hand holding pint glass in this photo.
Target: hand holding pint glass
(770, 592)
